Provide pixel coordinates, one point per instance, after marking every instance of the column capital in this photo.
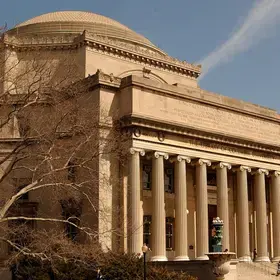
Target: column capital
(180, 158)
(222, 165)
(242, 168)
(137, 150)
(160, 154)
(260, 171)
(202, 161)
(275, 173)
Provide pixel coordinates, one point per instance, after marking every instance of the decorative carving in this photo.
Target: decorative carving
(161, 136)
(261, 171)
(222, 165)
(242, 168)
(203, 161)
(137, 132)
(146, 73)
(137, 150)
(275, 173)
(180, 158)
(161, 154)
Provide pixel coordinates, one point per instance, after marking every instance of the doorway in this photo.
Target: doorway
(212, 213)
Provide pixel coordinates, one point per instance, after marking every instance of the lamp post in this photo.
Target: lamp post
(145, 250)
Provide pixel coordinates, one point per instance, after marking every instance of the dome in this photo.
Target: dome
(76, 22)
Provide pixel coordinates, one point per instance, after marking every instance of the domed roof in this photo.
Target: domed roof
(77, 22)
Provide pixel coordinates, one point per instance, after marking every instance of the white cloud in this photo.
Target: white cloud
(258, 24)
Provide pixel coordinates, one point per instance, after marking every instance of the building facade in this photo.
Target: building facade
(192, 155)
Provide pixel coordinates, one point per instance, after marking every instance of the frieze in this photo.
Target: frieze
(143, 50)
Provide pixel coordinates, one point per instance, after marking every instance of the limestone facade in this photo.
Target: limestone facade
(192, 154)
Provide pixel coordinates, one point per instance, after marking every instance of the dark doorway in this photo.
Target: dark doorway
(212, 213)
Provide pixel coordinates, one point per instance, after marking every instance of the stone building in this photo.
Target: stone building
(193, 154)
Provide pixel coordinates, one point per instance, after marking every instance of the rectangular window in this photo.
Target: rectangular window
(250, 187)
(169, 180)
(71, 211)
(169, 233)
(267, 189)
(147, 177)
(147, 221)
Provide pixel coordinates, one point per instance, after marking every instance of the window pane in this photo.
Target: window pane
(169, 180)
(147, 220)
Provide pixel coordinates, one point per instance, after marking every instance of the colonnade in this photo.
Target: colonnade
(181, 231)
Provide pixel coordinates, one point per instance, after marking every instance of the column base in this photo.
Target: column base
(262, 259)
(202, 258)
(245, 259)
(276, 259)
(158, 259)
(181, 258)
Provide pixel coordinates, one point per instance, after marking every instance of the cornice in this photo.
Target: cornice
(128, 50)
(219, 139)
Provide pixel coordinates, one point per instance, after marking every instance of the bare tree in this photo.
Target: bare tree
(54, 136)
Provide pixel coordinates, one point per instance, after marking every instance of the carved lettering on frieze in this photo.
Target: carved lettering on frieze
(214, 119)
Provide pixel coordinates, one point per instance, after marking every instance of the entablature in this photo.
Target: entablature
(136, 125)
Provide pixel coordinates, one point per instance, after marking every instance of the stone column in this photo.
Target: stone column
(181, 230)
(222, 200)
(275, 199)
(202, 209)
(158, 215)
(135, 201)
(242, 215)
(260, 206)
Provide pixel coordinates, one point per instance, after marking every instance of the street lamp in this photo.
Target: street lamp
(145, 250)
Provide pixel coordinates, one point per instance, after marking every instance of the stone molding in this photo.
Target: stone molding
(127, 50)
(102, 79)
(133, 151)
(180, 158)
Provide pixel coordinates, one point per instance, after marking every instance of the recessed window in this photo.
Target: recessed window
(71, 211)
(211, 178)
(147, 177)
(169, 180)
(147, 222)
(169, 233)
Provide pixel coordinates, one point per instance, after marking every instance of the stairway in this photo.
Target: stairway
(256, 271)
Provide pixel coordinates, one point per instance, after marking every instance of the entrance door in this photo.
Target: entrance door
(212, 213)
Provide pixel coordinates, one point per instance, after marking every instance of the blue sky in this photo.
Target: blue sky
(185, 29)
